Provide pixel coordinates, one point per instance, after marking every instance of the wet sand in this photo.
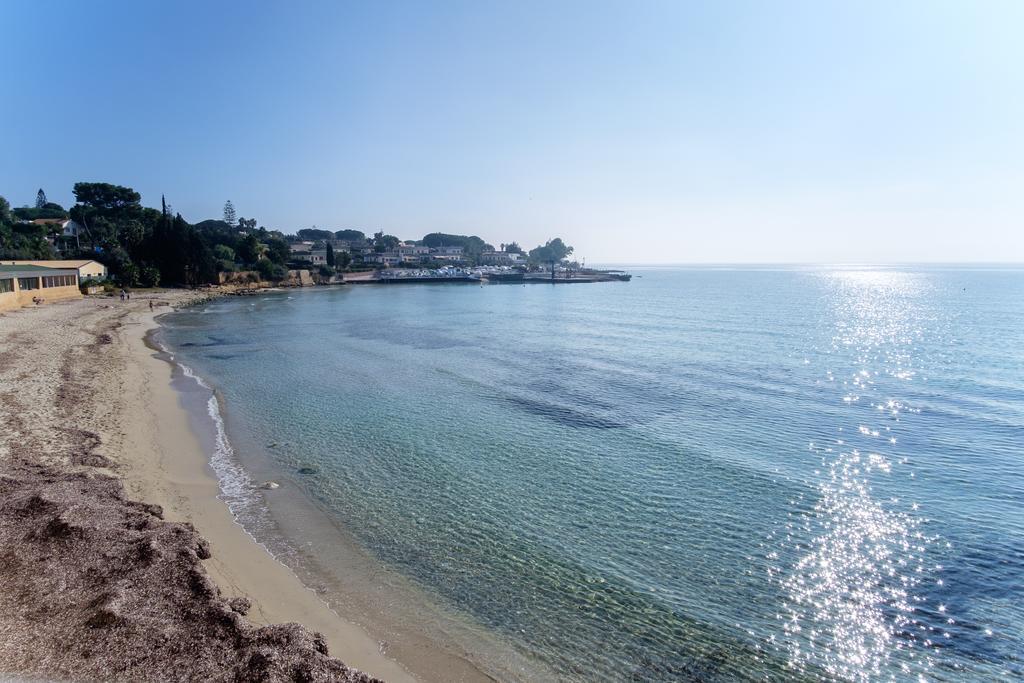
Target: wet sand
(89, 409)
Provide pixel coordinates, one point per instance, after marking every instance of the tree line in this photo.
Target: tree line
(147, 247)
(140, 246)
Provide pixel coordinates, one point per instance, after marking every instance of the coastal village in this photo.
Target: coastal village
(108, 242)
(415, 261)
(173, 587)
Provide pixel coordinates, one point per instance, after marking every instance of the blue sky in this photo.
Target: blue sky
(638, 131)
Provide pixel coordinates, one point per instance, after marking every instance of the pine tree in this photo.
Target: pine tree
(330, 255)
(229, 214)
(40, 199)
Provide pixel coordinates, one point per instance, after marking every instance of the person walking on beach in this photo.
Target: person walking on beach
(151, 305)
(122, 295)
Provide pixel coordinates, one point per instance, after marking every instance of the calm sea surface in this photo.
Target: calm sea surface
(711, 474)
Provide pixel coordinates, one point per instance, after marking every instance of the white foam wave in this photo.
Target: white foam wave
(237, 488)
(190, 373)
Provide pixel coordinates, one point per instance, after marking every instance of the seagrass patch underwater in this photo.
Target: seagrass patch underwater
(705, 473)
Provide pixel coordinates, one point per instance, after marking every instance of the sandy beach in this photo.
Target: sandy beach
(94, 585)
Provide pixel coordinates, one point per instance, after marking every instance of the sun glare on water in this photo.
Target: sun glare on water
(858, 560)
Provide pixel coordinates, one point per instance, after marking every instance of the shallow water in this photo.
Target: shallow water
(701, 474)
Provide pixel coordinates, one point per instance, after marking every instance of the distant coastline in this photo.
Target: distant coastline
(139, 246)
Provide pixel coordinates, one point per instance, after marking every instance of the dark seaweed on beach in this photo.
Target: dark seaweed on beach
(97, 587)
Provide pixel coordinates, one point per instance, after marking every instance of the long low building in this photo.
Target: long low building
(28, 285)
(87, 268)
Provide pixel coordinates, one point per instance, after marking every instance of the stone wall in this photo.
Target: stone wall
(250, 279)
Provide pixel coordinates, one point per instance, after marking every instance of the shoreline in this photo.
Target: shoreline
(410, 626)
(180, 479)
(92, 425)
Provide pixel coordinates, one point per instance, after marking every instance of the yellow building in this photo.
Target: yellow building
(87, 268)
(27, 285)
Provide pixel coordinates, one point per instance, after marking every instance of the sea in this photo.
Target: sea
(707, 473)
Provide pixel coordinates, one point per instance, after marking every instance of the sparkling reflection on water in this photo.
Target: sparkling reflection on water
(585, 473)
(856, 590)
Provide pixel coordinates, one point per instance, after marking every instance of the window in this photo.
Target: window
(27, 283)
(59, 281)
(6, 285)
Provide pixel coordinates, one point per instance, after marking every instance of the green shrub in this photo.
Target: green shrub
(149, 276)
(89, 282)
(224, 253)
(271, 271)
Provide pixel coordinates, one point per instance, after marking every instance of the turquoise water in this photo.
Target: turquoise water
(702, 474)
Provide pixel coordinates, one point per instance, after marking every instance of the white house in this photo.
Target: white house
(413, 253)
(68, 227)
(61, 227)
(72, 228)
(340, 245)
(388, 258)
(446, 253)
(502, 258)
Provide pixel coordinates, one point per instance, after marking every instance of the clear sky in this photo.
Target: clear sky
(814, 131)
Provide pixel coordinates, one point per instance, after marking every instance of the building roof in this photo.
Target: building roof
(35, 270)
(22, 268)
(49, 221)
(55, 263)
